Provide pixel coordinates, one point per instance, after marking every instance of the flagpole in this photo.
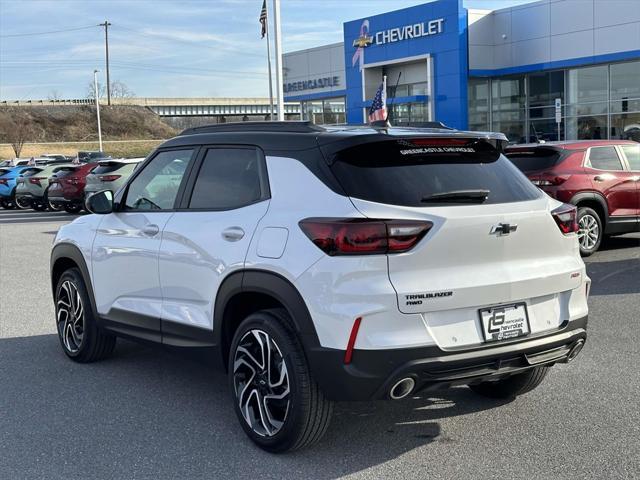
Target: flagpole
(278, 44)
(269, 65)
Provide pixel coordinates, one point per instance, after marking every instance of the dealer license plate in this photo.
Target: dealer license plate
(504, 322)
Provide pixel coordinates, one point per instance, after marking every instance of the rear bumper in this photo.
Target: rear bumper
(372, 373)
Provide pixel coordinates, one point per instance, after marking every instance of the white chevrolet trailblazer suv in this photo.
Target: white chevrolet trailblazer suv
(325, 264)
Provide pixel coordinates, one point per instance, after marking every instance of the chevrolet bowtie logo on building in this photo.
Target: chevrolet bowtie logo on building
(363, 41)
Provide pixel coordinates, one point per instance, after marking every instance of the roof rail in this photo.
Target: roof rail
(286, 126)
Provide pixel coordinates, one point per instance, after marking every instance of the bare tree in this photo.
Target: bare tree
(54, 95)
(118, 90)
(18, 132)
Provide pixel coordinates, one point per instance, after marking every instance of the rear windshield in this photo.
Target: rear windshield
(27, 172)
(109, 167)
(535, 159)
(63, 171)
(401, 173)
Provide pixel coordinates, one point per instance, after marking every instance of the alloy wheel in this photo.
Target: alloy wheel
(261, 383)
(70, 316)
(55, 207)
(588, 232)
(22, 203)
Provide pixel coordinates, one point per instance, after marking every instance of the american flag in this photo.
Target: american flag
(378, 110)
(263, 19)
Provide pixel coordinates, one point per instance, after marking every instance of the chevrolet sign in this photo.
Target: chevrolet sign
(398, 34)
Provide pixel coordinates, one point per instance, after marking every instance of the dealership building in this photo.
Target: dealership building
(516, 70)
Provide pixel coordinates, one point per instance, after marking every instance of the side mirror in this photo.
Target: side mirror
(100, 203)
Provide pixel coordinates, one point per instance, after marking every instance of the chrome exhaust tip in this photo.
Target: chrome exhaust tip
(402, 388)
(575, 350)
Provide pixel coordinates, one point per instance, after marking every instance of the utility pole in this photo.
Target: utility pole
(106, 26)
(95, 89)
(278, 42)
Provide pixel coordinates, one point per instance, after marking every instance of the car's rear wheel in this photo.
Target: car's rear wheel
(512, 386)
(23, 203)
(590, 231)
(279, 404)
(51, 204)
(78, 332)
(72, 207)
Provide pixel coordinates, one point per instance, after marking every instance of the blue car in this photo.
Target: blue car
(8, 177)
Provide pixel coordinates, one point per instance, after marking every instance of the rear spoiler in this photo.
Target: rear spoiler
(496, 142)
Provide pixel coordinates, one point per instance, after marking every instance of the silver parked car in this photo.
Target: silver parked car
(110, 174)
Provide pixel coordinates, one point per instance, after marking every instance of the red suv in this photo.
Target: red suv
(600, 177)
(69, 190)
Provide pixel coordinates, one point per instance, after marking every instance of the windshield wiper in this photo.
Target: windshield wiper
(458, 196)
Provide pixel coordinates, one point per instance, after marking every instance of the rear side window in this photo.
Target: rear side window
(392, 173)
(632, 152)
(604, 158)
(535, 159)
(229, 178)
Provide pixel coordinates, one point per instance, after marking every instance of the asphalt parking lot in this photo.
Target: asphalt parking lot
(150, 414)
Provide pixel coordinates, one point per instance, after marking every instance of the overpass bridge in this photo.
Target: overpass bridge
(224, 109)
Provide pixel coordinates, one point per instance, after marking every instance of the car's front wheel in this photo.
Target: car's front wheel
(512, 386)
(278, 402)
(589, 230)
(79, 335)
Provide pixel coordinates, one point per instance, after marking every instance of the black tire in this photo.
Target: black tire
(512, 386)
(307, 413)
(39, 205)
(7, 203)
(72, 208)
(50, 205)
(591, 231)
(93, 344)
(22, 203)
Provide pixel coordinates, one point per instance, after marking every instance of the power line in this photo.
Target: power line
(32, 34)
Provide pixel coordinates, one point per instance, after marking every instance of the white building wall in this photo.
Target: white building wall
(312, 64)
(552, 30)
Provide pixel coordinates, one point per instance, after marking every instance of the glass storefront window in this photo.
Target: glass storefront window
(545, 87)
(508, 93)
(598, 102)
(586, 85)
(322, 112)
(587, 128)
(478, 94)
(626, 126)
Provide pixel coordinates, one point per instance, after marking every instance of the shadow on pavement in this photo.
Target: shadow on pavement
(147, 413)
(621, 242)
(615, 277)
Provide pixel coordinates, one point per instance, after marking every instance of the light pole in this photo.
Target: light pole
(95, 89)
(278, 42)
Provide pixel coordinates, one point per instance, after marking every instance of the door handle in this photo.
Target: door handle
(604, 177)
(150, 230)
(233, 234)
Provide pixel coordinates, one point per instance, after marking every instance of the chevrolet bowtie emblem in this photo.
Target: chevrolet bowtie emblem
(363, 41)
(503, 229)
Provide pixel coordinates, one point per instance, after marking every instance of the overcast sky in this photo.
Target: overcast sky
(164, 48)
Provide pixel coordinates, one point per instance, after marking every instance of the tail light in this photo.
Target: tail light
(352, 236)
(36, 180)
(71, 180)
(548, 179)
(566, 216)
(109, 178)
(4, 181)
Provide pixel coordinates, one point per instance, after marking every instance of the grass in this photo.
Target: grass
(126, 148)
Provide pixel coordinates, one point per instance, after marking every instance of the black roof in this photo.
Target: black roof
(295, 135)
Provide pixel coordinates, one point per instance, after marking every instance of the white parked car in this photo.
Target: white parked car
(321, 264)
